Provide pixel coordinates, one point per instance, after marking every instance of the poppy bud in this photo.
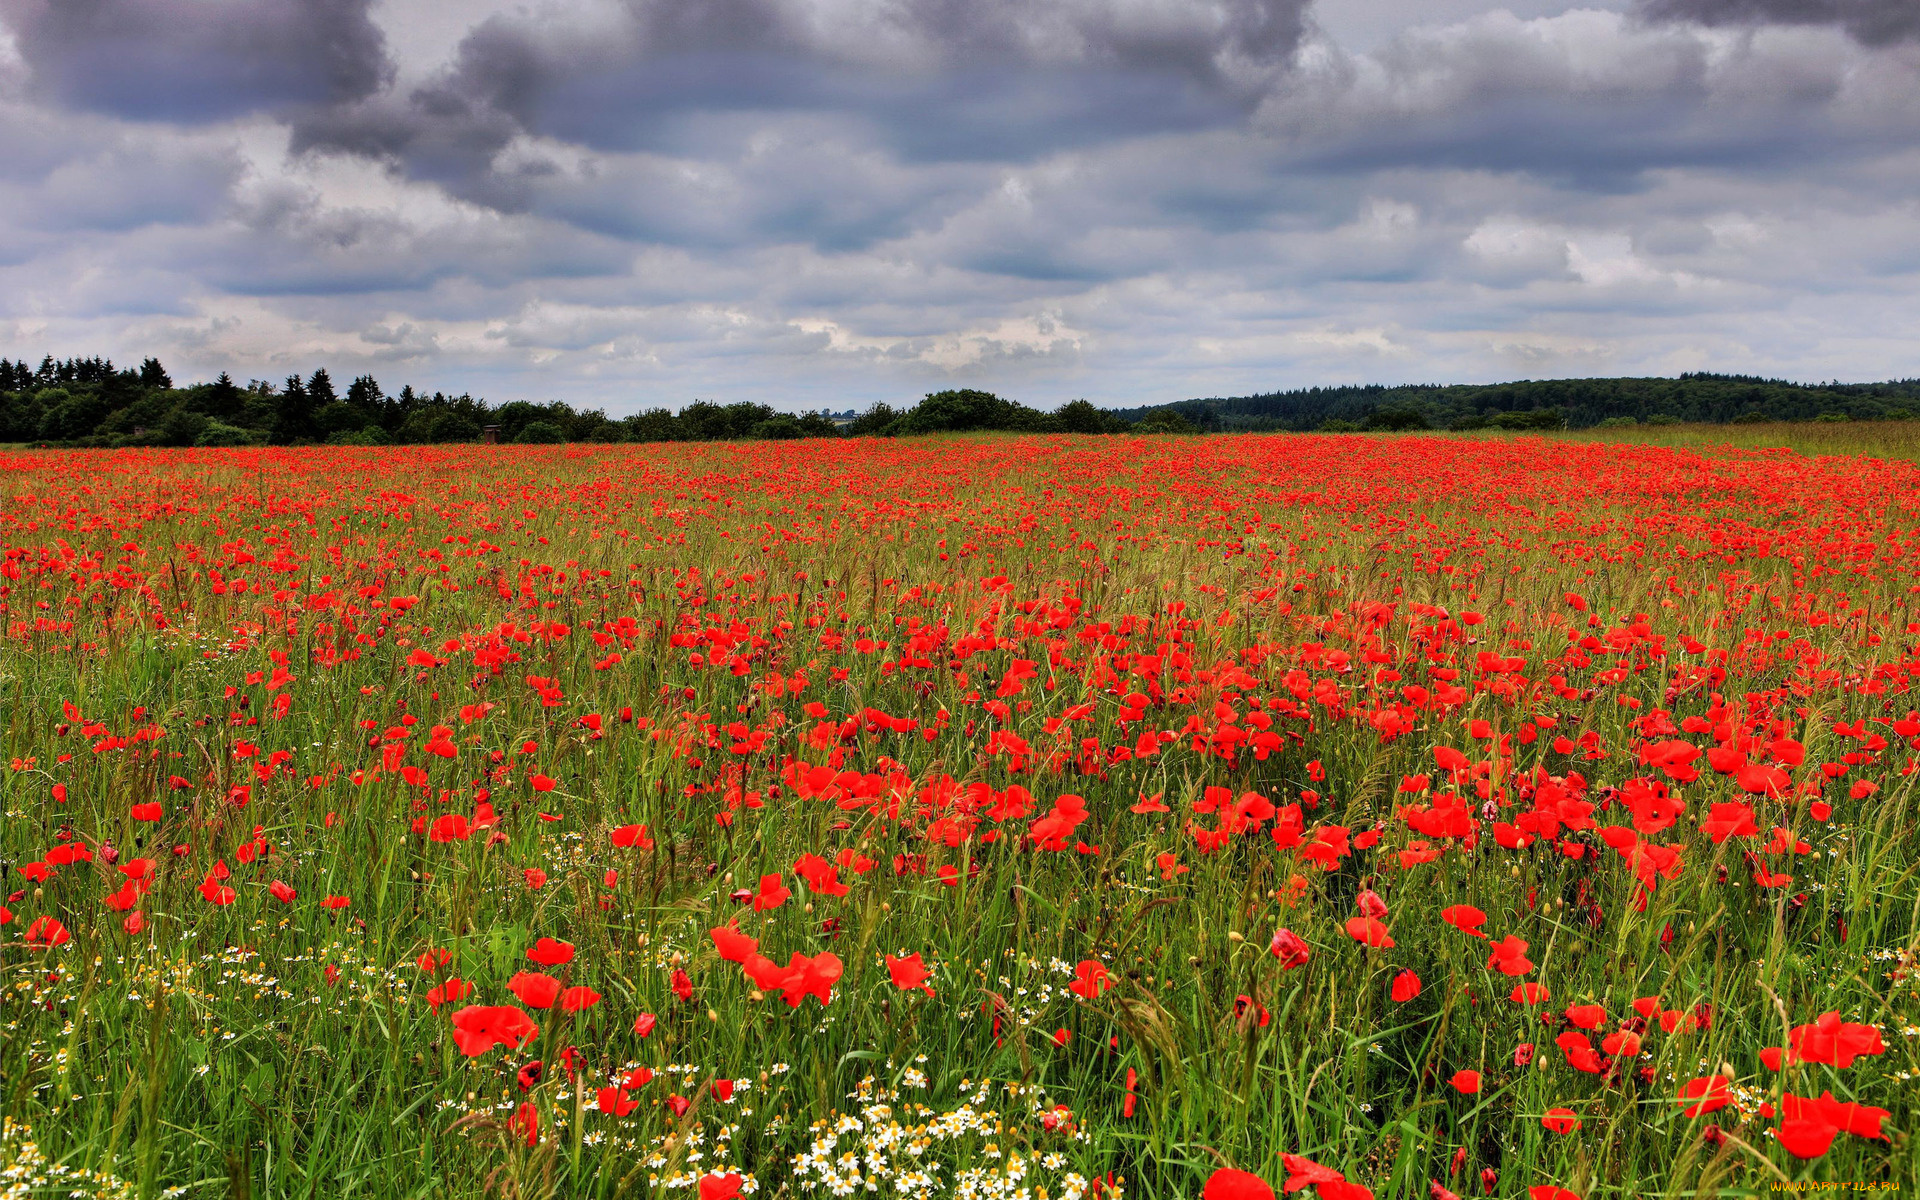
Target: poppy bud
(1370, 904)
(1289, 949)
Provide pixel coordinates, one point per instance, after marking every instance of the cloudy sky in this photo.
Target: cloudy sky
(822, 203)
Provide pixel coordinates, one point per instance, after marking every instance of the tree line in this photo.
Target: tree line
(90, 402)
(1546, 404)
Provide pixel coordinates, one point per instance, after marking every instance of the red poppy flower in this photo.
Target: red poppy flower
(1466, 918)
(526, 1121)
(1368, 931)
(1622, 1043)
(909, 973)
(47, 931)
(1708, 1094)
(1758, 779)
(1808, 1126)
(451, 992)
(1833, 1041)
(1304, 1173)
(1509, 957)
(632, 836)
(1229, 1184)
(614, 1102)
(1579, 1052)
(534, 990)
(1090, 978)
(578, 998)
(479, 1028)
(1150, 804)
(720, 1187)
(282, 892)
(772, 894)
(1729, 820)
(1243, 1004)
(823, 878)
(734, 946)
(550, 952)
(1289, 949)
(815, 976)
(1807, 1136)
(1560, 1120)
(1586, 1016)
(1467, 1083)
(126, 897)
(1406, 985)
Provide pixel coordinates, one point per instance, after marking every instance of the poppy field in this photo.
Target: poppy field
(1006, 818)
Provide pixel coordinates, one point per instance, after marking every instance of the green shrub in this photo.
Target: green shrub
(219, 433)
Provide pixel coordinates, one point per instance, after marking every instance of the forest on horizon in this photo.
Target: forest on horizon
(89, 402)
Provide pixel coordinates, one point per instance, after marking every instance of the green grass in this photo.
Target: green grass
(1853, 439)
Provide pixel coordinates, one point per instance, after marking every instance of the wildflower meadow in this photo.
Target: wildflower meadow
(996, 818)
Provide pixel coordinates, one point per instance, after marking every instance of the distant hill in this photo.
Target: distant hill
(1543, 403)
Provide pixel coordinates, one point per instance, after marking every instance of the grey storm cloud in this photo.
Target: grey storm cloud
(198, 60)
(1590, 99)
(934, 80)
(1873, 22)
(632, 202)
